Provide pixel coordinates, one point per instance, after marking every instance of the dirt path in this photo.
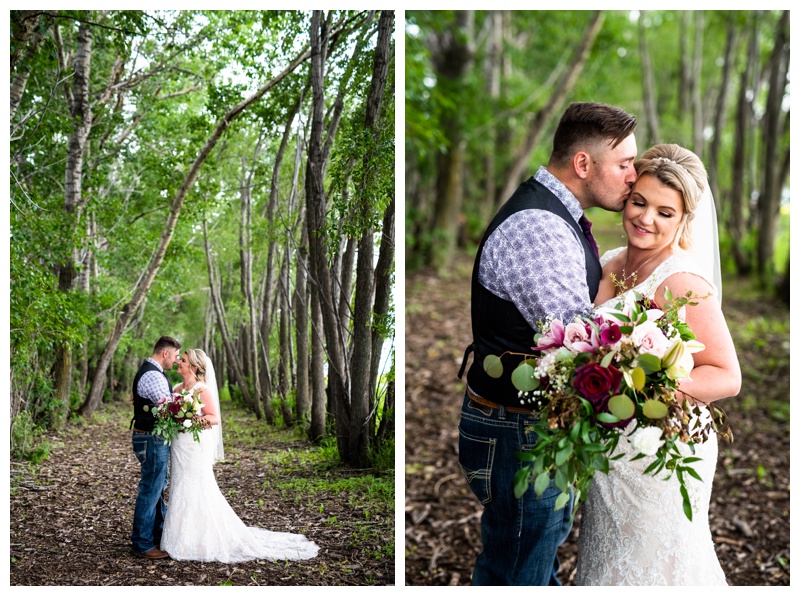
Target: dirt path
(750, 502)
(71, 522)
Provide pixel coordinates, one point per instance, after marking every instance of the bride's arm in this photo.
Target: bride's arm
(209, 410)
(716, 373)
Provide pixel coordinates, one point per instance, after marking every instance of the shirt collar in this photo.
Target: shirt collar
(554, 185)
(151, 361)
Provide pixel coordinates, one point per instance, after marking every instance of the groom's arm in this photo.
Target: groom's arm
(535, 260)
(153, 386)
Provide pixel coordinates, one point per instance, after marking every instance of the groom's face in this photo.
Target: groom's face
(612, 175)
(170, 355)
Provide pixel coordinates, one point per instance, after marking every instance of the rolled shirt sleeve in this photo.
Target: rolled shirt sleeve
(535, 260)
(153, 386)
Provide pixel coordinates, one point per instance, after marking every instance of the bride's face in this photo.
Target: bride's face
(652, 213)
(183, 365)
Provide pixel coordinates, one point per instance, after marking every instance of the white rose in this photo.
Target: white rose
(187, 423)
(646, 440)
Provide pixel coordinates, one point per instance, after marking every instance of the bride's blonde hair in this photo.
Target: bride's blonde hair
(682, 170)
(197, 360)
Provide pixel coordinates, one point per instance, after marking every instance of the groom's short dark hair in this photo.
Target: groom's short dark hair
(590, 123)
(164, 342)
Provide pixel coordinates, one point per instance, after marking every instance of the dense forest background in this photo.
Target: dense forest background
(485, 90)
(224, 177)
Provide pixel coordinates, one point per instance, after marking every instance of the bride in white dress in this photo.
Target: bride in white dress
(633, 529)
(200, 525)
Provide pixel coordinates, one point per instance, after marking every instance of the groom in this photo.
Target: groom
(537, 259)
(149, 385)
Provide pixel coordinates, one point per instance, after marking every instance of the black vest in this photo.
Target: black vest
(497, 325)
(144, 420)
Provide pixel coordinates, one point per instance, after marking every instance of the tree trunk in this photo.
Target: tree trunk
(452, 54)
(362, 398)
(234, 362)
(769, 201)
(319, 397)
(301, 314)
(697, 87)
(316, 216)
(82, 123)
(719, 116)
(649, 87)
(739, 191)
(27, 32)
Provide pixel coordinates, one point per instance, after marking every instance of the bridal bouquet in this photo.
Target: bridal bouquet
(598, 378)
(178, 413)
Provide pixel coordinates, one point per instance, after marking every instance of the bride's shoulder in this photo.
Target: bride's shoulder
(611, 254)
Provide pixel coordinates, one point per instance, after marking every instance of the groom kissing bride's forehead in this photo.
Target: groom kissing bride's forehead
(539, 261)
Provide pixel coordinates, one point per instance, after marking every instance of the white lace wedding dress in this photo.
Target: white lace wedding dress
(200, 525)
(633, 530)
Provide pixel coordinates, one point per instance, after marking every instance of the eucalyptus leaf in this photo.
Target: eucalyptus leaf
(493, 366)
(622, 406)
(654, 409)
(523, 379)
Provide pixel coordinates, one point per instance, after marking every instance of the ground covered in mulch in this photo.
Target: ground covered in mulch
(750, 503)
(71, 517)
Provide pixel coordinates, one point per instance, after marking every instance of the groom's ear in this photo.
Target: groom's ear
(581, 162)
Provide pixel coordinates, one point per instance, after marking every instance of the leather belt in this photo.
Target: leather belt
(490, 404)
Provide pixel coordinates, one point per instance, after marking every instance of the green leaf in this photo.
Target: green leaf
(521, 481)
(562, 500)
(687, 504)
(606, 417)
(654, 409)
(493, 366)
(622, 406)
(563, 455)
(541, 483)
(562, 479)
(691, 472)
(607, 359)
(649, 363)
(523, 378)
(620, 316)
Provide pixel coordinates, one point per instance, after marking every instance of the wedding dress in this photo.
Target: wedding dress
(633, 530)
(200, 525)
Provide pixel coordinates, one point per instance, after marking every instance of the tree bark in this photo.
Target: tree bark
(649, 86)
(769, 200)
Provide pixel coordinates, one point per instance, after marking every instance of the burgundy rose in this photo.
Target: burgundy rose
(597, 383)
(174, 407)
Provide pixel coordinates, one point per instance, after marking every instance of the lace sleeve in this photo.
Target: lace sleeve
(610, 254)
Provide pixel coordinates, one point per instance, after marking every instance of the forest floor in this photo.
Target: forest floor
(71, 516)
(749, 512)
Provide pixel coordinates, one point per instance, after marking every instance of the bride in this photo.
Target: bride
(200, 525)
(633, 530)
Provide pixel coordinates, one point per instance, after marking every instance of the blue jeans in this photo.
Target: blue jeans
(520, 536)
(148, 517)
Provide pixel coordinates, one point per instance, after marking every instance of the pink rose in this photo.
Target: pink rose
(576, 337)
(649, 338)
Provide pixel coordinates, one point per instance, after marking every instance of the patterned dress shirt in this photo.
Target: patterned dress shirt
(535, 260)
(153, 385)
